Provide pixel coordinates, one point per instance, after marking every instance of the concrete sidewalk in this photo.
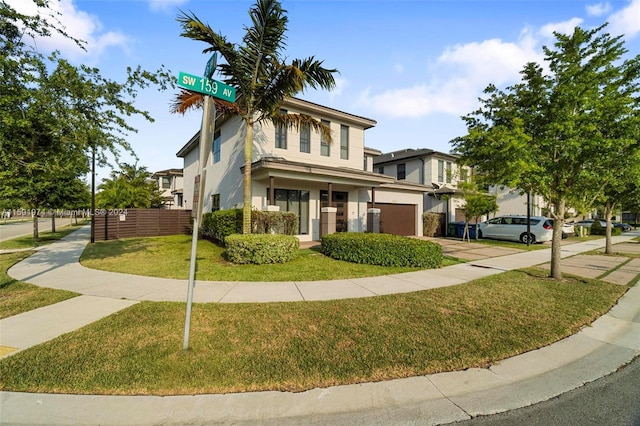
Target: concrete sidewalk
(610, 342)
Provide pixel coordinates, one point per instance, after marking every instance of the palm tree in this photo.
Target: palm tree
(261, 76)
(129, 187)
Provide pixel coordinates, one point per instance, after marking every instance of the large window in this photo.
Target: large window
(449, 172)
(324, 145)
(401, 171)
(440, 171)
(281, 133)
(305, 138)
(217, 140)
(344, 142)
(166, 182)
(296, 201)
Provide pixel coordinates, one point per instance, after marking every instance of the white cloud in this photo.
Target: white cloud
(626, 21)
(598, 9)
(78, 24)
(341, 83)
(565, 27)
(165, 5)
(458, 78)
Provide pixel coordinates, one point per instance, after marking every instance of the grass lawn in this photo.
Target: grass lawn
(17, 297)
(299, 346)
(168, 257)
(46, 237)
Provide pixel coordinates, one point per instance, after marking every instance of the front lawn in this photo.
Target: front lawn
(303, 345)
(17, 297)
(168, 257)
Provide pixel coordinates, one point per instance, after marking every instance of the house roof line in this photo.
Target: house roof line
(404, 154)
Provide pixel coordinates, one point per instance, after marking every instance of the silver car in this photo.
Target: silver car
(514, 228)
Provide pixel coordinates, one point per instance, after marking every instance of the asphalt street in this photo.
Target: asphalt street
(14, 229)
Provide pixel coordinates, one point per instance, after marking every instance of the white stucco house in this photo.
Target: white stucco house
(170, 182)
(296, 170)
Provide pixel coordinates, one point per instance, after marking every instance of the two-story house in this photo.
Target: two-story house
(437, 170)
(298, 171)
(170, 182)
(441, 170)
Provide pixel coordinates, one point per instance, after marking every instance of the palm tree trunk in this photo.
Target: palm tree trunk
(248, 149)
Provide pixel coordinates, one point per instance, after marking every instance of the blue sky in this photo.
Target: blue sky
(413, 66)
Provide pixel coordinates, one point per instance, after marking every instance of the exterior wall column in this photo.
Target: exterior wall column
(328, 220)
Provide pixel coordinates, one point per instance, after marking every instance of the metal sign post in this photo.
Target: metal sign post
(207, 130)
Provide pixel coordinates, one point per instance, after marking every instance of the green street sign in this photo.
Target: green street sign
(211, 66)
(214, 88)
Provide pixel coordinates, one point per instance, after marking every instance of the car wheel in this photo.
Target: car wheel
(565, 236)
(527, 237)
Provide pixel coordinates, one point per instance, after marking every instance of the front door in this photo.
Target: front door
(340, 201)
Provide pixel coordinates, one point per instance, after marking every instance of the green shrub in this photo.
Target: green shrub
(430, 223)
(382, 249)
(598, 229)
(285, 223)
(218, 225)
(261, 248)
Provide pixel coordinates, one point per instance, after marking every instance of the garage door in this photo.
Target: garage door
(399, 219)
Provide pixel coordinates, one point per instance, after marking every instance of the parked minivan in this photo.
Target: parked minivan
(514, 228)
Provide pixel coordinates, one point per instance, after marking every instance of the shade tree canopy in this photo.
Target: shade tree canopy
(566, 133)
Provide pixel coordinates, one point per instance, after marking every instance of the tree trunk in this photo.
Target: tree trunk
(556, 242)
(35, 227)
(608, 211)
(248, 148)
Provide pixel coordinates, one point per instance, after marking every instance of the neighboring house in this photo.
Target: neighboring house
(436, 170)
(426, 166)
(295, 170)
(170, 182)
(513, 202)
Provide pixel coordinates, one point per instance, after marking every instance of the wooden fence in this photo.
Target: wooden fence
(127, 223)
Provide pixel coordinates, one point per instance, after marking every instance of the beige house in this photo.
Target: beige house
(170, 182)
(298, 171)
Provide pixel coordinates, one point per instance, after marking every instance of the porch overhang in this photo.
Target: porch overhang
(268, 167)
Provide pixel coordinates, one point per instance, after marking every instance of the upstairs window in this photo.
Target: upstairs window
(344, 142)
(401, 171)
(217, 140)
(305, 138)
(281, 133)
(381, 170)
(449, 172)
(166, 182)
(440, 171)
(324, 144)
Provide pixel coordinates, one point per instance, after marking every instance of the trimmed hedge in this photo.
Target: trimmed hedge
(382, 249)
(218, 225)
(598, 229)
(261, 248)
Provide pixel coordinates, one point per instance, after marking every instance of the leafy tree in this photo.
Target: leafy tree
(257, 69)
(55, 115)
(477, 204)
(545, 135)
(130, 187)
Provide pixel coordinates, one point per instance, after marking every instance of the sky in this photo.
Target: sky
(414, 66)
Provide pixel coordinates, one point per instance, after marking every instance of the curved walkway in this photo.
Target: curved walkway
(610, 342)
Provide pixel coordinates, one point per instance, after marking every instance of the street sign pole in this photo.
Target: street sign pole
(207, 131)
